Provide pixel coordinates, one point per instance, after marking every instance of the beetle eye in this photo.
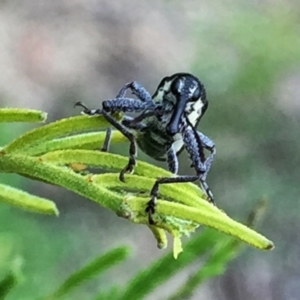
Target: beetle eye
(196, 94)
(175, 87)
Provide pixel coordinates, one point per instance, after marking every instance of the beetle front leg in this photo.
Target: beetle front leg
(126, 105)
(137, 90)
(195, 147)
(208, 144)
(132, 148)
(92, 112)
(117, 105)
(87, 111)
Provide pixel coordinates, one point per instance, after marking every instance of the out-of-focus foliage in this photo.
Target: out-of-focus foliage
(247, 55)
(218, 249)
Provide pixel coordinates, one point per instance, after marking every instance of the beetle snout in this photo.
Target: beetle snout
(172, 128)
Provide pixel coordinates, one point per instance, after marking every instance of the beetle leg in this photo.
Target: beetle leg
(137, 90)
(208, 144)
(132, 148)
(150, 209)
(195, 143)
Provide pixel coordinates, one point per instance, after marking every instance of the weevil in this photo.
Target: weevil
(165, 126)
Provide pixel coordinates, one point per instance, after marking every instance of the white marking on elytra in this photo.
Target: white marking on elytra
(162, 91)
(194, 110)
(178, 142)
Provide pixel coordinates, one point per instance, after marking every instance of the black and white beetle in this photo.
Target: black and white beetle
(167, 125)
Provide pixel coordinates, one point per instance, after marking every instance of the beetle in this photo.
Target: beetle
(165, 127)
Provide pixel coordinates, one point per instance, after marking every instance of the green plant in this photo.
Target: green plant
(58, 153)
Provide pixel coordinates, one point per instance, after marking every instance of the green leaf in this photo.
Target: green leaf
(224, 251)
(35, 168)
(179, 192)
(22, 115)
(162, 269)
(208, 215)
(53, 130)
(92, 140)
(133, 207)
(109, 161)
(94, 268)
(160, 236)
(27, 201)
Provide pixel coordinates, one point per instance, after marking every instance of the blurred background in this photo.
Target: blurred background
(247, 54)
